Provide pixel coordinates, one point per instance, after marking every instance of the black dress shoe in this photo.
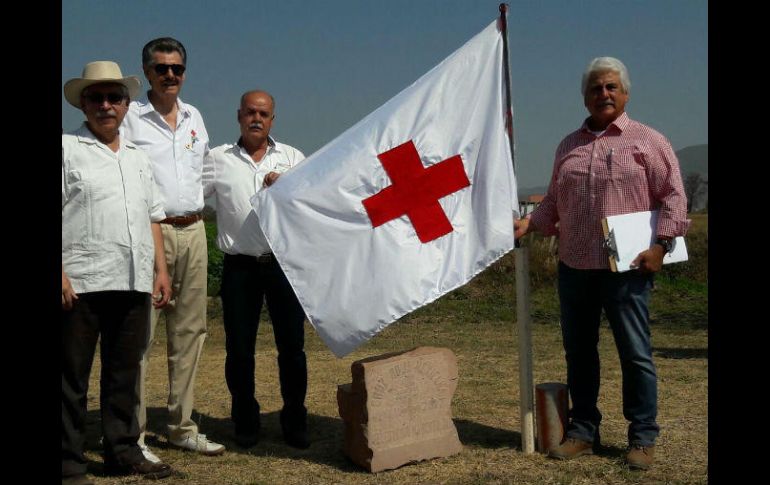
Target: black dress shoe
(247, 440)
(145, 468)
(294, 426)
(296, 438)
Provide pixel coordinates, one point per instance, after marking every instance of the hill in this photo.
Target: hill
(694, 159)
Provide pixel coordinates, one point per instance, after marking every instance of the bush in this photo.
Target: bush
(696, 266)
(216, 259)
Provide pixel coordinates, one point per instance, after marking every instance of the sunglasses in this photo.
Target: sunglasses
(98, 98)
(161, 69)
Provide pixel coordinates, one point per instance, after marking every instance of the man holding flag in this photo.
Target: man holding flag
(233, 173)
(610, 165)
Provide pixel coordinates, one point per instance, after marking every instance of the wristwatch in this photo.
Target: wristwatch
(668, 244)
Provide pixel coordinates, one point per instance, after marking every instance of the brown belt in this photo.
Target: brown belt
(182, 221)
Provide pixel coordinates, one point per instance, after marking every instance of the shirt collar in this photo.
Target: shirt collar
(271, 144)
(238, 150)
(620, 123)
(85, 135)
(144, 106)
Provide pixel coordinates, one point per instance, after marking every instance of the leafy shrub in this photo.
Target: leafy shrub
(216, 259)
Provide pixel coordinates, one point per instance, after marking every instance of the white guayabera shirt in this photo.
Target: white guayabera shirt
(108, 200)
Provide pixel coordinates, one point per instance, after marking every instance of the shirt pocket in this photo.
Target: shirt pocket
(627, 166)
(78, 263)
(75, 187)
(282, 166)
(573, 176)
(194, 151)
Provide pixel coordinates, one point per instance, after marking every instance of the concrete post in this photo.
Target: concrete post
(552, 408)
(526, 401)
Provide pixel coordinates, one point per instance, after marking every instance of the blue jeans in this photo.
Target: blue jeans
(623, 296)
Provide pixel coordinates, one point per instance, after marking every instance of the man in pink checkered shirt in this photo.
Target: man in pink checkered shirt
(611, 165)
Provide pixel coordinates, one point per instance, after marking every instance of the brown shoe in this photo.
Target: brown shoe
(640, 457)
(571, 448)
(145, 468)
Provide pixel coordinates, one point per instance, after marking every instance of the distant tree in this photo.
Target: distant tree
(694, 187)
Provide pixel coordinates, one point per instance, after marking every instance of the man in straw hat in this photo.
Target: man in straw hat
(110, 240)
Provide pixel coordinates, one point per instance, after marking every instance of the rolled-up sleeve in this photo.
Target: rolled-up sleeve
(666, 187)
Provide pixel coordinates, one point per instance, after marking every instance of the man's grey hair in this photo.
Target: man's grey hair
(162, 44)
(604, 64)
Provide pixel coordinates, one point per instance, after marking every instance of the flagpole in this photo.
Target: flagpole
(521, 260)
(507, 73)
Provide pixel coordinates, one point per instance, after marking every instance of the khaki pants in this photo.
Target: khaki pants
(187, 260)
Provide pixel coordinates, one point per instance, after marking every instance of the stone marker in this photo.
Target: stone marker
(398, 408)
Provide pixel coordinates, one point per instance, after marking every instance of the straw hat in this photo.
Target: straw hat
(99, 72)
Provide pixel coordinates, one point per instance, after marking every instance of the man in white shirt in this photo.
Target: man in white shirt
(172, 133)
(111, 241)
(233, 174)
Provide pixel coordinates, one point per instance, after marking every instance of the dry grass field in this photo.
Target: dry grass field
(476, 323)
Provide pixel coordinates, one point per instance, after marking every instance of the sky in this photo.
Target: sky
(330, 63)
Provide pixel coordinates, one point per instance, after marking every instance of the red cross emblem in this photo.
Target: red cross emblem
(416, 190)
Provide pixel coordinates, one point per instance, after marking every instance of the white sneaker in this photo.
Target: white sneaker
(200, 444)
(149, 455)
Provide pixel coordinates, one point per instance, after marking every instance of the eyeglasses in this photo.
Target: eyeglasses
(98, 98)
(161, 69)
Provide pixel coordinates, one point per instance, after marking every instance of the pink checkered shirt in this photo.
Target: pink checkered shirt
(628, 168)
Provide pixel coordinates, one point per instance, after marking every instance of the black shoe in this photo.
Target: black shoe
(294, 427)
(144, 467)
(76, 480)
(296, 438)
(247, 439)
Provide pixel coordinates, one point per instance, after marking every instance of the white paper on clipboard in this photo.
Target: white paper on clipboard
(627, 235)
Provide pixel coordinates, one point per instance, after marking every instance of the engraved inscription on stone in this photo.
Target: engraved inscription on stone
(398, 408)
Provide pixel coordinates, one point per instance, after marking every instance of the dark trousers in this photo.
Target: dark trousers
(624, 297)
(122, 319)
(245, 283)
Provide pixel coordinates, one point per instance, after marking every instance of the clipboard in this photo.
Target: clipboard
(627, 235)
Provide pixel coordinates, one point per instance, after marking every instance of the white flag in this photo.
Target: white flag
(408, 204)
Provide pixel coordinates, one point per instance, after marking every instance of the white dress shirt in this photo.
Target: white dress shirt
(230, 174)
(177, 155)
(107, 202)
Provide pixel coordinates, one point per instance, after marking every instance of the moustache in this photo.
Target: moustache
(255, 126)
(106, 114)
